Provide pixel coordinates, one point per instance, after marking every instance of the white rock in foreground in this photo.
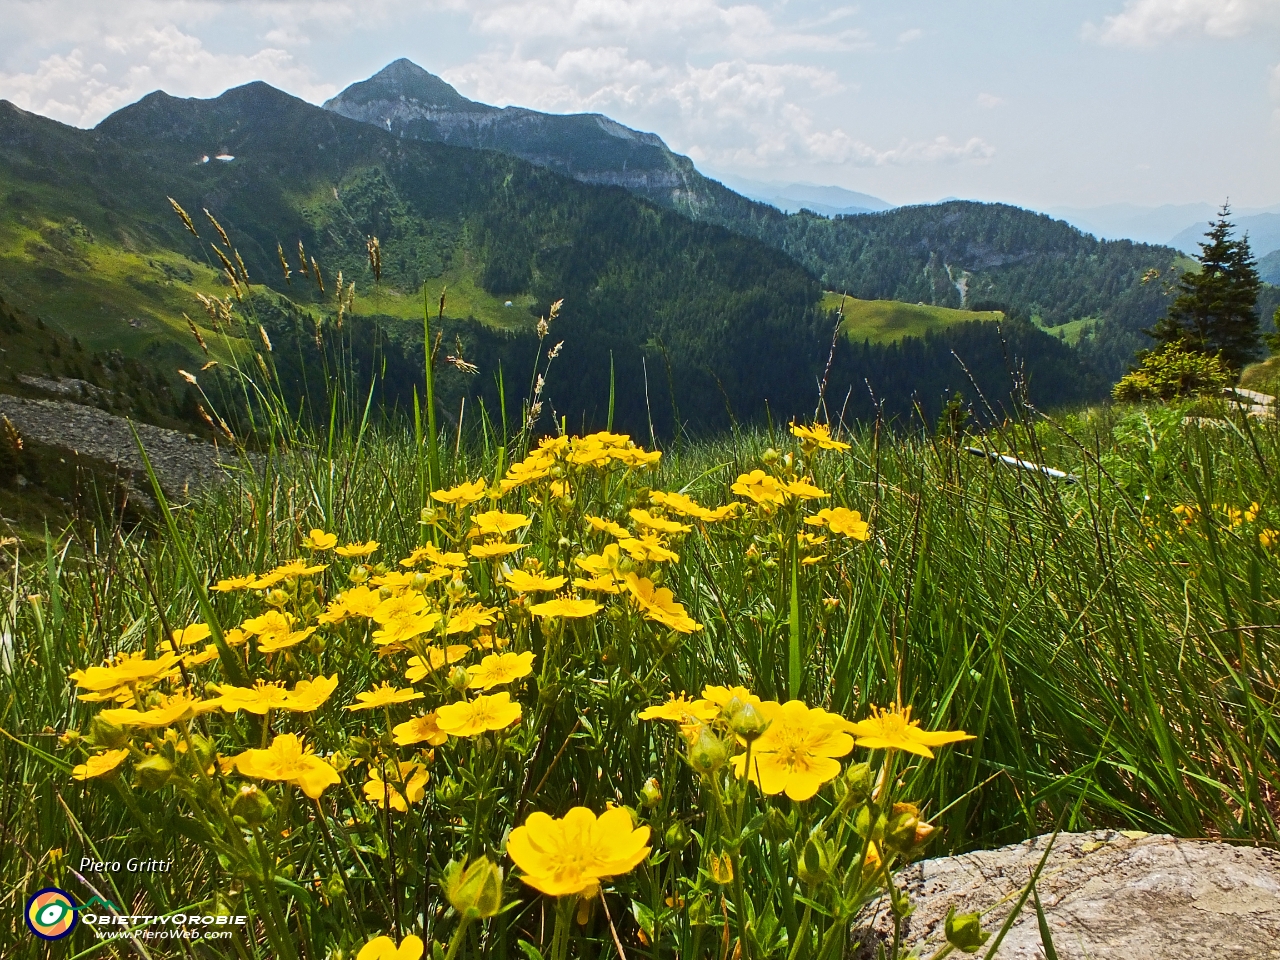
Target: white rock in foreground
(1108, 896)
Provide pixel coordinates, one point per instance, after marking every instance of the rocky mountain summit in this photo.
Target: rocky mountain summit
(408, 101)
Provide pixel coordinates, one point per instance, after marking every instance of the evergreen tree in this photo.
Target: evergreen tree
(1215, 311)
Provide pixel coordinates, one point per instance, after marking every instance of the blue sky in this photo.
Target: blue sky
(1041, 104)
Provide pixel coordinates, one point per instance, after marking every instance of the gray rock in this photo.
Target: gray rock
(182, 462)
(1107, 896)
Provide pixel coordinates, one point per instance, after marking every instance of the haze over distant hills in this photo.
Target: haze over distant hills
(1180, 225)
(830, 201)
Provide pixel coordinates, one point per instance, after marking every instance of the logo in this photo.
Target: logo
(51, 914)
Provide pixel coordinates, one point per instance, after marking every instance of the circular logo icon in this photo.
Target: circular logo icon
(51, 913)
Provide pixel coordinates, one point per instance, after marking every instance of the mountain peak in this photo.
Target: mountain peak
(403, 80)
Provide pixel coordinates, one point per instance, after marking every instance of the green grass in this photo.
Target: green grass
(1115, 664)
(887, 321)
(1072, 330)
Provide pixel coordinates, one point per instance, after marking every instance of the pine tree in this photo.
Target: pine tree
(1216, 308)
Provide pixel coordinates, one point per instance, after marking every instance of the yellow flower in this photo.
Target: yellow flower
(893, 729)
(435, 659)
(819, 436)
(492, 549)
(318, 540)
(526, 471)
(235, 583)
(796, 753)
(760, 487)
(272, 622)
(170, 710)
(1186, 513)
(397, 608)
(410, 775)
(273, 643)
(570, 856)
(637, 457)
(841, 520)
(384, 948)
(804, 490)
(659, 604)
(261, 698)
(356, 602)
(196, 633)
(467, 619)
(125, 669)
(357, 549)
(496, 523)
(608, 526)
(499, 668)
(383, 696)
(463, 494)
(100, 764)
(310, 695)
(1268, 538)
(682, 710)
(648, 548)
(570, 608)
(419, 730)
(207, 655)
(405, 628)
(687, 506)
(288, 760)
(644, 518)
(470, 718)
(604, 584)
(720, 696)
(436, 556)
(603, 564)
(521, 581)
(297, 568)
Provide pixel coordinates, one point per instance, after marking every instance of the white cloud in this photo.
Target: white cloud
(1145, 22)
(906, 36)
(92, 59)
(990, 101)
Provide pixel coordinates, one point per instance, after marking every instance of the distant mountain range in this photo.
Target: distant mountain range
(794, 197)
(668, 276)
(1181, 226)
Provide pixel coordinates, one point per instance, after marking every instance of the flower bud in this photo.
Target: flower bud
(358, 574)
(205, 750)
(277, 597)
(459, 678)
(361, 747)
(707, 752)
(869, 822)
(860, 781)
(676, 837)
(427, 515)
(817, 860)
(900, 831)
(650, 793)
(448, 791)
(769, 456)
(964, 931)
(748, 722)
(252, 805)
(779, 827)
(456, 589)
(720, 867)
(333, 887)
(474, 889)
(153, 772)
(104, 733)
(699, 911)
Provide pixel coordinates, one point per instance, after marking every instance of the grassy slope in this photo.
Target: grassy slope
(887, 321)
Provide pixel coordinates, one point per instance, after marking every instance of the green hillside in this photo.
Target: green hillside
(669, 322)
(888, 321)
